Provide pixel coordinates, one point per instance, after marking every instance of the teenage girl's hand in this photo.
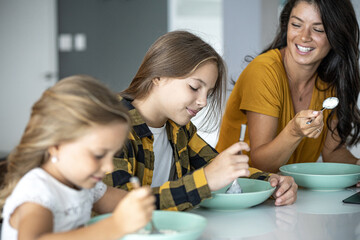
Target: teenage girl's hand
(299, 128)
(135, 210)
(227, 166)
(286, 189)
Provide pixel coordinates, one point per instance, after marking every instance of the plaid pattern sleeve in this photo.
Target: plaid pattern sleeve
(258, 174)
(200, 152)
(184, 193)
(189, 186)
(123, 169)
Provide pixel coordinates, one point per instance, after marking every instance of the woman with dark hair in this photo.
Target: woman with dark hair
(314, 56)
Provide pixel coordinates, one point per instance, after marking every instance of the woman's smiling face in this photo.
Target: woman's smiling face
(307, 43)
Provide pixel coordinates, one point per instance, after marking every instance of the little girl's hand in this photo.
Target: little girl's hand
(135, 210)
(227, 166)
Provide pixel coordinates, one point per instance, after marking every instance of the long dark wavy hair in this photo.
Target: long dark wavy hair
(340, 68)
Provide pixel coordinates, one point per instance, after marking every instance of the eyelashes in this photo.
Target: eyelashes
(192, 88)
(315, 29)
(99, 157)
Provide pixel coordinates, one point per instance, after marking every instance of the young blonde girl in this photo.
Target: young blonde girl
(54, 175)
(179, 76)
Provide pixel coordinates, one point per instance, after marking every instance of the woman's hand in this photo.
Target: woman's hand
(227, 166)
(286, 189)
(300, 128)
(135, 210)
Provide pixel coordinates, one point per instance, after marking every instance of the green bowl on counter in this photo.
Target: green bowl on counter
(174, 225)
(323, 176)
(254, 193)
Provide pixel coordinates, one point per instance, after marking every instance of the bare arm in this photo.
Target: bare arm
(35, 222)
(270, 151)
(331, 154)
(110, 200)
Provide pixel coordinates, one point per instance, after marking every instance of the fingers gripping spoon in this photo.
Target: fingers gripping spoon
(329, 103)
(235, 188)
(136, 184)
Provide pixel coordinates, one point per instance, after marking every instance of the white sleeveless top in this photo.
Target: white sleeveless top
(70, 208)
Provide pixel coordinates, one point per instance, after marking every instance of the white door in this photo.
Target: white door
(28, 62)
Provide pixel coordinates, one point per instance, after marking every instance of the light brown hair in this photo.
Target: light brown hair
(64, 113)
(178, 54)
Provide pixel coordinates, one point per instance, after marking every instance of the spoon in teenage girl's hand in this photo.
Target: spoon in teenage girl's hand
(329, 103)
(136, 184)
(235, 188)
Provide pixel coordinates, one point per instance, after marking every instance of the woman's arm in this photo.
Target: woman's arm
(270, 151)
(331, 154)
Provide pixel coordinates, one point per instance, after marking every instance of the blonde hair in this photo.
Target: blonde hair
(63, 113)
(178, 54)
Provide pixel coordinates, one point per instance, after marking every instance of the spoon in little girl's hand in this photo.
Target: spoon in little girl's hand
(329, 103)
(136, 184)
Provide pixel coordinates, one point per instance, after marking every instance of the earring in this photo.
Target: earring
(54, 159)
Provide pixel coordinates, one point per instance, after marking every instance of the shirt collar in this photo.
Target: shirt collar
(138, 123)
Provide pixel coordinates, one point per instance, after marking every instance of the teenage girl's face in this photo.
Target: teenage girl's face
(307, 43)
(181, 99)
(85, 161)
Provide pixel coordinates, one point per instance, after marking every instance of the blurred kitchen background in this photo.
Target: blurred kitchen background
(42, 41)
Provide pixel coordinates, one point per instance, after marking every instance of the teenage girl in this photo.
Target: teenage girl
(181, 75)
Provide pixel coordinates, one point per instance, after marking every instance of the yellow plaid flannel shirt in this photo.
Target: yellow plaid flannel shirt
(191, 154)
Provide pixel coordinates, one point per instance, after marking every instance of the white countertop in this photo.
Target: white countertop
(315, 215)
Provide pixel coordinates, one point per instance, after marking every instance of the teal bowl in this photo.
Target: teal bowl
(323, 176)
(254, 193)
(187, 226)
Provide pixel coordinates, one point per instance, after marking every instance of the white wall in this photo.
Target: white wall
(248, 27)
(28, 63)
(201, 17)
(205, 19)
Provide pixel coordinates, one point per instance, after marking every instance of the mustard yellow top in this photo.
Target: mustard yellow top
(263, 88)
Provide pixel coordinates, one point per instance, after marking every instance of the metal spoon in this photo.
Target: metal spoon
(136, 184)
(235, 187)
(329, 103)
